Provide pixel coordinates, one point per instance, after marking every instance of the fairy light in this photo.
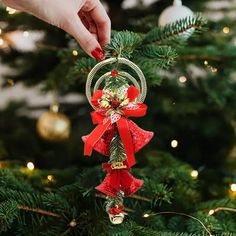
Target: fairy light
(174, 143)
(10, 10)
(214, 70)
(30, 165)
(211, 212)
(226, 30)
(194, 174)
(146, 215)
(182, 79)
(75, 53)
(205, 63)
(233, 187)
(26, 34)
(50, 178)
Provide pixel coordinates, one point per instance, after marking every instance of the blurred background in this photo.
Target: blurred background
(192, 104)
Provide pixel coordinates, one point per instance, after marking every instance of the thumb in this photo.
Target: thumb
(87, 41)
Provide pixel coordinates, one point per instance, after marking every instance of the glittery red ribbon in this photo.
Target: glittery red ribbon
(119, 180)
(104, 123)
(116, 210)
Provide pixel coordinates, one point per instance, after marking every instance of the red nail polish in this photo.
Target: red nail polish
(98, 54)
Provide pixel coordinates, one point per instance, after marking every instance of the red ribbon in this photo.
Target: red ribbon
(104, 123)
(119, 180)
(116, 210)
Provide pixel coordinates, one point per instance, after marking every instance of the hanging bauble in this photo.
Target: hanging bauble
(54, 126)
(174, 13)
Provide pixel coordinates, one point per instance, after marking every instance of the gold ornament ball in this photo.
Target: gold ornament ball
(53, 126)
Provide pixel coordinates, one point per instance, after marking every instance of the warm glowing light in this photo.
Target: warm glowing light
(233, 187)
(55, 108)
(50, 177)
(194, 174)
(30, 165)
(0, 31)
(226, 30)
(174, 143)
(211, 212)
(26, 34)
(10, 10)
(182, 79)
(214, 70)
(146, 215)
(75, 53)
(205, 63)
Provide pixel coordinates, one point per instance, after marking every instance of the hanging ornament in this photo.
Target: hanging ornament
(53, 126)
(115, 135)
(174, 13)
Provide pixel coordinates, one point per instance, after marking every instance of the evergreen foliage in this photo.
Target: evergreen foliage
(199, 114)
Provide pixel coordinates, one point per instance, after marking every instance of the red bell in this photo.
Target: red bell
(119, 180)
(140, 138)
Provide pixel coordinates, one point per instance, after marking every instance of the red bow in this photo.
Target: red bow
(116, 210)
(119, 180)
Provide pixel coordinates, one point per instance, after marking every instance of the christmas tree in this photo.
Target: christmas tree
(189, 173)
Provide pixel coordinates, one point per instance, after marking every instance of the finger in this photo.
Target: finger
(102, 21)
(87, 41)
(89, 24)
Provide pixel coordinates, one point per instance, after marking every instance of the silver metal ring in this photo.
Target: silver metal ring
(120, 60)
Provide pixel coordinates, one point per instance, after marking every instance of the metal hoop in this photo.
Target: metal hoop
(122, 73)
(121, 60)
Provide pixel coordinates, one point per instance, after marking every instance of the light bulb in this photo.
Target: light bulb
(50, 178)
(174, 143)
(226, 30)
(182, 79)
(194, 174)
(233, 187)
(146, 215)
(30, 165)
(75, 53)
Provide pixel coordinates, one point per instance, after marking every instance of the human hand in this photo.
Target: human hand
(86, 20)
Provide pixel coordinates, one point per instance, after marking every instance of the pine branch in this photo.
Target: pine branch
(123, 44)
(173, 31)
(39, 211)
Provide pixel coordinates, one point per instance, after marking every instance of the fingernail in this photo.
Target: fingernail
(98, 54)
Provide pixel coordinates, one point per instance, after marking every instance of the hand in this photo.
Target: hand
(86, 20)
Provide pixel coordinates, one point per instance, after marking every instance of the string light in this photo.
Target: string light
(10, 10)
(50, 178)
(205, 63)
(194, 174)
(146, 215)
(26, 34)
(226, 30)
(211, 212)
(75, 53)
(30, 165)
(182, 79)
(174, 143)
(214, 70)
(233, 187)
